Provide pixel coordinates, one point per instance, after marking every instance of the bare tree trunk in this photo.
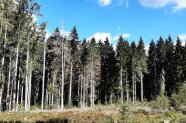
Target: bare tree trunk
(17, 99)
(141, 76)
(81, 91)
(2, 69)
(22, 94)
(62, 79)
(93, 93)
(27, 75)
(133, 93)
(84, 90)
(30, 87)
(15, 79)
(91, 85)
(121, 83)
(8, 85)
(135, 88)
(70, 87)
(127, 89)
(54, 79)
(43, 84)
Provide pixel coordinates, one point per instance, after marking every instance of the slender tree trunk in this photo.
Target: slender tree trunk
(70, 87)
(43, 84)
(27, 75)
(54, 79)
(141, 77)
(62, 79)
(17, 99)
(15, 79)
(133, 88)
(81, 91)
(30, 88)
(22, 94)
(84, 90)
(91, 84)
(8, 85)
(121, 83)
(2, 69)
(93, 93)
(127, 89)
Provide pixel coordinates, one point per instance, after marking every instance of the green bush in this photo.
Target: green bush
(178, 99)
(160, 102)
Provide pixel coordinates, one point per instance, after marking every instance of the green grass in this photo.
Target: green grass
(99, 114)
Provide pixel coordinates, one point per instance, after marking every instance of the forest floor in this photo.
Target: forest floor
(98, 114)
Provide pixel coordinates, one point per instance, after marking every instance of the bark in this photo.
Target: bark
(91, 85)
(54, 79)
(81, 92)
(2, 69)
(62, 79)
(141, 77)
(15, 79)
(121, 83)
(43, 84)
(8, 85)
(30, 88)
(27, 76)
(70, 86)
(127, 89)
(133, 93)
(17, 99)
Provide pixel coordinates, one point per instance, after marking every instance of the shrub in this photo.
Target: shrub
(179, 99)
(160, 102)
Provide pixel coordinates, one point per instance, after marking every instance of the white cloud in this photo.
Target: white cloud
(104, 2)
(123, 2)
(146, 49)
(101, 36)
(35, 18)
(124, 35)
(183, 38)
(64, 33)
(177, 4)
(48, 34)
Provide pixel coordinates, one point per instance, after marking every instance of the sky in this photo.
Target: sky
(149, 19)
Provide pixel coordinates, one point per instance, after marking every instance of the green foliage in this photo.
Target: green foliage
(161, 102)
(179, 99)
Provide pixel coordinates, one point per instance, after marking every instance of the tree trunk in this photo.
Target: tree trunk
(17, 99)
(27, 75)
(127, 89)
(141, 77)
(84, 90)
(22, 94)
(30, 87)
(43, 84)
(81, 91)
(15, 79)
(2, 69)
(62, 79)
(70, 87)
(133, 88)
(8, 85)
(54, 79)
(121, 83)
(91, 85)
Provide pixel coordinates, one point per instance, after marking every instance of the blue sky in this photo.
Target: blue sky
(130, 18)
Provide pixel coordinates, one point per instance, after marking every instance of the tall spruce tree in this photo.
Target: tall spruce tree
(151, 84)
(169, 62)
(123, 51)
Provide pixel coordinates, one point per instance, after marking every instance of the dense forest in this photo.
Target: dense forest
(63, 71)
